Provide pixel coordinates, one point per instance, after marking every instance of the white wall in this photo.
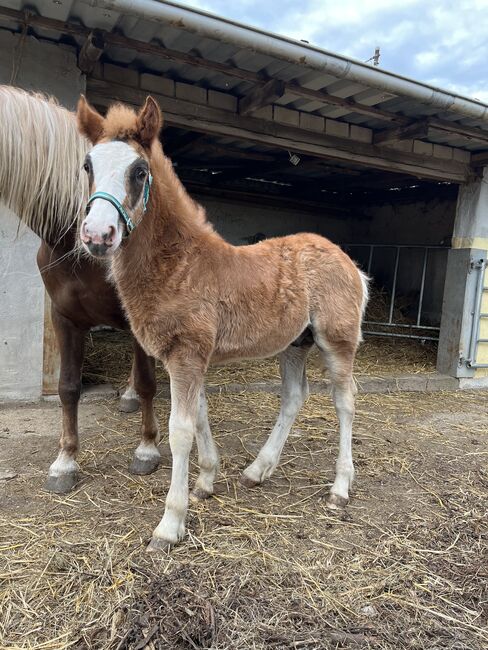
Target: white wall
(33, 65)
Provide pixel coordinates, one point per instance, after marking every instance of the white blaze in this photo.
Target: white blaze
(110, 162)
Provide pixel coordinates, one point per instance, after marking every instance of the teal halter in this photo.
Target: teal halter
(105, 196)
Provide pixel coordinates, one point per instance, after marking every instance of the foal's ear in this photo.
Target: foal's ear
(90, 122)
(149, 122)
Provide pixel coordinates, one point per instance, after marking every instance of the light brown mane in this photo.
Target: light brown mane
(41, 156)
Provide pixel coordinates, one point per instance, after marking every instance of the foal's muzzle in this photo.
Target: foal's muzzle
(98, 244)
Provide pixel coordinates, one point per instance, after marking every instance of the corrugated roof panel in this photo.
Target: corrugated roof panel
(246, 59)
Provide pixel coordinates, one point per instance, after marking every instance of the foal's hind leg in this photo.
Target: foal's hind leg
(208, 457)
(293, 393)
(63, 473)
(146, 456)
(339, 357)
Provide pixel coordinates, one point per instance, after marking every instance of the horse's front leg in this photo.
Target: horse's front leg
(186, 380)
(63, 473)
(147, 456)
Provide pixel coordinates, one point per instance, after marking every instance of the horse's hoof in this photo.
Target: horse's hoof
(159, 545)
(248, 482)
(336, 502)
(144, 467)
(129, 404)
(199, 494)
(61, 484)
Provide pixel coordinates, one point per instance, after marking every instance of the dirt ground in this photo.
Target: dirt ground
(404, 566)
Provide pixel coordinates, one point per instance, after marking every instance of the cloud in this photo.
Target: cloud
(442, 43)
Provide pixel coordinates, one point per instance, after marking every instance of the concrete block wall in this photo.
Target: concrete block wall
(33, 65)
(237, 222)
(274, 113)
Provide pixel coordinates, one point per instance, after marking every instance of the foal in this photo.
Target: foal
(192, 299)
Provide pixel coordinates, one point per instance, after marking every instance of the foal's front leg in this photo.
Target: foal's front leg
(186, 382)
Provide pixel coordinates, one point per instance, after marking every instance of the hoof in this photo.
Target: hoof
(61, 484)
(159, 545)
(199, 494)
(129, 405)
(247, 482)
(144, 467)
(336, 502)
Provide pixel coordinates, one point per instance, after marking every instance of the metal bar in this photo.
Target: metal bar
(415, 327)
(478, 365)
(403, 336)
(370, 259)
(393, 290)
(475, 326)
(422, 284)
(446, 248)
(483, 315)
(482, 341)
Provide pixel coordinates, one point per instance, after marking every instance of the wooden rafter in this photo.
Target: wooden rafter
(91, 50)
(261, 96)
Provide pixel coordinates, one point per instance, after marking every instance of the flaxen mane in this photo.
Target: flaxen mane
(42, 153)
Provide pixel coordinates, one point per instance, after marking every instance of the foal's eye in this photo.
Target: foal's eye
(141, 174)
(86, 167)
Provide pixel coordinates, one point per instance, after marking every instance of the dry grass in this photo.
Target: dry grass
(404, 567)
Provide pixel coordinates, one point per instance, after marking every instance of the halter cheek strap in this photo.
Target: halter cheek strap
(105, 196)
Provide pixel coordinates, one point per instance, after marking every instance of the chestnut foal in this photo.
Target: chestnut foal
(41, 156)
(193, 299)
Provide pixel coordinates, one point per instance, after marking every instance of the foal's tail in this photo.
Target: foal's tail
(365, 280)
(41, 157)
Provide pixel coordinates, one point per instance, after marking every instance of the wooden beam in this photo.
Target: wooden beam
(159, 51)
(207, 119)
(91, 51)
(480, 159)
(261, 96)
(415, 130)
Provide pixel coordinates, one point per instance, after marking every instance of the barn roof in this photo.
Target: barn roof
(256, 68)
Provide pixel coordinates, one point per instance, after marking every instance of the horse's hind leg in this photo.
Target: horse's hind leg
(129, 400)
(63, 473)
(146, 456)
(294, 392)
(339, 358)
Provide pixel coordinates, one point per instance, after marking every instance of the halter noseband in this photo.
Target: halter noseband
(105, 196)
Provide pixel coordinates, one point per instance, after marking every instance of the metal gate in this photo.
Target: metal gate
(365, 255)
(478, 265)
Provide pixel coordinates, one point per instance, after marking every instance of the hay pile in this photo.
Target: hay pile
(405, 566)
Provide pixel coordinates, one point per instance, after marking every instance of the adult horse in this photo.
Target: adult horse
(41, 157)
(193, 299)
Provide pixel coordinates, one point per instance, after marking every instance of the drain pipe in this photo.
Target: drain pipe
(295, 52)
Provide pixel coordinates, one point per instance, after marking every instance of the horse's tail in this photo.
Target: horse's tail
(41, 158)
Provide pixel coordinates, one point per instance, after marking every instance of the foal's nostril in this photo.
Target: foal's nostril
(109, 236)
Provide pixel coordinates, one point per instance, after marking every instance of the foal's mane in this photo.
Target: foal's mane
(41, 159)
(121, 124)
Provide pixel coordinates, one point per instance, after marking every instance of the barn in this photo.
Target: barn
(273, 136)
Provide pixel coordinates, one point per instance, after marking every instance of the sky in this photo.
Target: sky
(441, 42)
